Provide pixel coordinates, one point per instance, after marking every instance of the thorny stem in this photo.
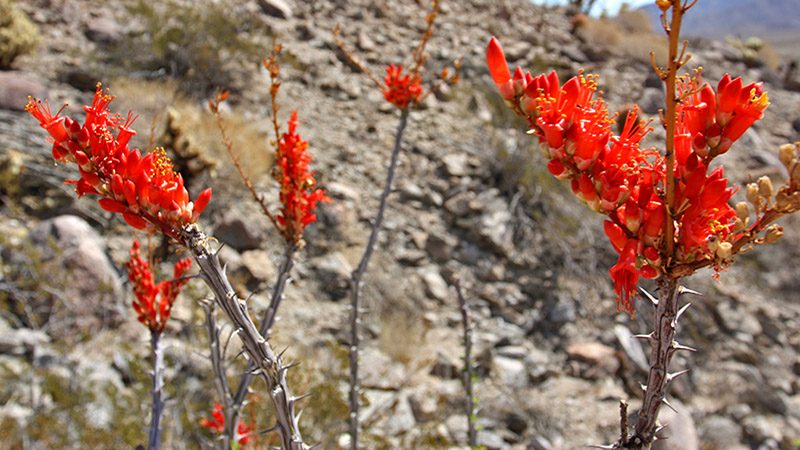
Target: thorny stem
(226, 140)
(663, 347)
(154, 437)
(220, 378)
(466, 324)
(265, 329)
(357, 275)
(268, 364)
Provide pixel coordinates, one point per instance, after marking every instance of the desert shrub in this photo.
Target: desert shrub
(189, 132)
(756, 52)
(202, 46)
(629, 35)
(18, 35)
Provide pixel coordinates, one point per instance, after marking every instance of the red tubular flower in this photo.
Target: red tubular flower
(146, 190)
(399, 89)
(613, 175)
(153, 302)
(299, 195)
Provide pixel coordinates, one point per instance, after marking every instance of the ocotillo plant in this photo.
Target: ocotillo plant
(298, 196)
(153, 306)
(666, 215)
(151, 196)
(404, 92)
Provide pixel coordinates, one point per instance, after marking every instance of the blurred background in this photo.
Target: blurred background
(473, 200)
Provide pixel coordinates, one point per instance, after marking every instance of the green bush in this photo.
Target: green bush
(18, 35)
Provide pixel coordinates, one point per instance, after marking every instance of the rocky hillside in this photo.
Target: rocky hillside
(473, 200)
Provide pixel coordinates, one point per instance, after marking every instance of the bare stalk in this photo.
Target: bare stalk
(674, 63)
(220, 379)
(267, 363)
(358, 274)
(466, 324)
(154, 437)
(265, 329)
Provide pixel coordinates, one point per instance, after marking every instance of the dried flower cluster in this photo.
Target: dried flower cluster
(145, 189)
(615, 177)
(153, 302)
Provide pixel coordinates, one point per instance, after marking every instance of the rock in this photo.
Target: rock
(601, 358)
(104, 30)
(15, 87)
(652, 100)
(364, 42)
(761, 429)
(540, 443)
(491, 440)
(276, 8)
(563, 311)
(447, 365)
(455, 164)
(435, 286)
(721, 432)
(510, 372)
(333, 272)
(479, 107)
(493, 227)
(259, 265)
(401, 419)
(379, 371)
(440, 246)
(680, 433)
(240, 231)
(631, 346)
(22, 341)
(93, 295)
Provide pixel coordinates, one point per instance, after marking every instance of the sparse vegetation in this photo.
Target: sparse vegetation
(18, 35)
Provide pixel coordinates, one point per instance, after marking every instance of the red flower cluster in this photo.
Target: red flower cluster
(144, 189)
(400, 90)
(153, 302)
(299, 195)
(617, 178)
(216, 423)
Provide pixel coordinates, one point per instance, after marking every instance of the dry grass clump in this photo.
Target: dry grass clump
(18, 35)
(171, 119)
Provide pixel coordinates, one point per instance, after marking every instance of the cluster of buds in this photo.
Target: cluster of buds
(617, 178)
(145, 189)
(216, 424)
(399, 89)
(299, 194)
(153, 302)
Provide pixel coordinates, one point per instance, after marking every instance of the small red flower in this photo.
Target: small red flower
(299, 195)
(153, 302)
(145, 189)
(399, 89)
(216, 423)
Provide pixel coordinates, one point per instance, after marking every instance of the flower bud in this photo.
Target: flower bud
(738, 225)
(765, 187)
(752, 194)
(724, 250)
(742, 211)
(795, 175)
(713, 243)
(773, 233)
(788, 153)
(663, 5)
